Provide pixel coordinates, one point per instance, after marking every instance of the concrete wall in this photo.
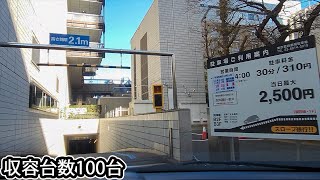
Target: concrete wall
(180, 33)
(110, 103)
(172, 28)
(142, 107)
(148, 132)
(20, 129)
(54, 132)
(149, 25)
(51, 17)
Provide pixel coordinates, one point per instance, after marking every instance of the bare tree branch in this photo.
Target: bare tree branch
(281, 32)
(308, 23)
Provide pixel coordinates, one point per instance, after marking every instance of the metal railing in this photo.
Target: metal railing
(82, 112)
(107, 81)
(86, 53)
(95, 1)
(96, 45)
(84, 20)
(104, 50)
(117, 112)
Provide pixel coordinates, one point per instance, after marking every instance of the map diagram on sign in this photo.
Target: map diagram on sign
(224, 90)
(224, 83)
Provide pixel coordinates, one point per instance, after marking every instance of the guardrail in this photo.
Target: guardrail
(86, 53)
(85, 20)
(117, 112)
(82, 112)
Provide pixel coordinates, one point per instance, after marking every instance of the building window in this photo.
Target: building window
(32, 95)
(135, 76)
(144, 69)
(39, 99)
(35, 52)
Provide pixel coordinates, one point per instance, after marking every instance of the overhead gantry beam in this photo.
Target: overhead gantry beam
(75, 48)
(85, 65)
(103, 50)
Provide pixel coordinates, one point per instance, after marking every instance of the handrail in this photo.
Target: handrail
(83, 17)
(84, 14)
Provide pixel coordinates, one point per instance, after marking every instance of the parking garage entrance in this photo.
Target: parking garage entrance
(81, 144)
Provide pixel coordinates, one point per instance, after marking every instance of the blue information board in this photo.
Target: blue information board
(69, 39)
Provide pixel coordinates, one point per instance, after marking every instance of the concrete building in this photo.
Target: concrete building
(166, 28)
(296, 19)
(172, 26)
(30, 93)
(84, 18)
(27, 90)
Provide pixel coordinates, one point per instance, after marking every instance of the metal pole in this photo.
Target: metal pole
(102, 50)
(174, 85)
(85, 65)
(298, 147)
(75, 48)
(170, 143)
(232, 150)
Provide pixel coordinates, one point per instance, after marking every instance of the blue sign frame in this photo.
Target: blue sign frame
(69, 40)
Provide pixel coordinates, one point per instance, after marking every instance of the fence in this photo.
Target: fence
(117, 112)
(82, 112)
(85, 20)
(87, 54)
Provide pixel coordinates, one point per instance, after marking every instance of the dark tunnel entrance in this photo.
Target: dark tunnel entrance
(81, 144)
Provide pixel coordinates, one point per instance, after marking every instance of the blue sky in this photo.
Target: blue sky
(122, 18)
(305, 3)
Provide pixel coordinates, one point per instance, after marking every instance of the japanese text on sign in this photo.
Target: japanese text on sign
(269, 92)
(62, 167)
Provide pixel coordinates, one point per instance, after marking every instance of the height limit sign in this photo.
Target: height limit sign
(69, 40)
(269, 92)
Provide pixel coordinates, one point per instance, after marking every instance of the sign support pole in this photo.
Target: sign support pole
(174, 85)
(232, 151)
(298, 147)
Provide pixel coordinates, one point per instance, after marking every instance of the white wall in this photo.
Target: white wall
(51, 17)
(149, 25)
(171, 28)
(54, 132)
(179, 34)
(143, 107)
(20, 129)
